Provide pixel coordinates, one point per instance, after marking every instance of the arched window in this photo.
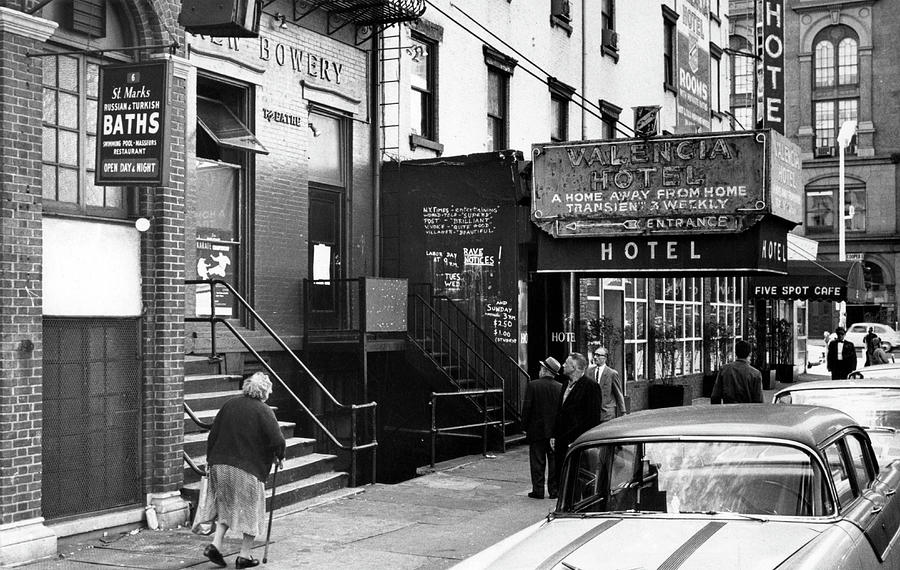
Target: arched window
(835, 86)
(70, 85)
(874, 277)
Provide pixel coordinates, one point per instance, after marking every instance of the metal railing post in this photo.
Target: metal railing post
(433, 429)
(353, 464)
(212, 318)
(484, 430)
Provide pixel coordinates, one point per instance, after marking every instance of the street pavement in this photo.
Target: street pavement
(429, 522)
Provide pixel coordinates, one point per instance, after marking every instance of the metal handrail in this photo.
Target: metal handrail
(187, 459)
(485, 341)
(353, 448)
(194, 417)
(484, 424)
(487, 338)
(456, 334)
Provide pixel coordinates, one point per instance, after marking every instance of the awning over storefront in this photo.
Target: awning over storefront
(760, 249)
(814, 281)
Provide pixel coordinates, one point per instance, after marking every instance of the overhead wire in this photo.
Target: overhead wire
(543, 79)
(525, 57)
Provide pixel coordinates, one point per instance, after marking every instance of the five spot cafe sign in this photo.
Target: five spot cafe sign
(131, 124)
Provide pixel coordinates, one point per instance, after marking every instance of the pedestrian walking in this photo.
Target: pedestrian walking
(579, 406)
(867, 344)
(738, 382)
(841, 356)
(244, 440)
(539, 417)
(610, 385)
(879, 356)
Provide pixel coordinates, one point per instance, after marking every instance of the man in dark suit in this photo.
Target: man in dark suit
(738, 382)
(841, 356)
(579, 406)
(610, 386)
(539, 416)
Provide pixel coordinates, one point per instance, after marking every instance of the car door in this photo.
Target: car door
(871, 501)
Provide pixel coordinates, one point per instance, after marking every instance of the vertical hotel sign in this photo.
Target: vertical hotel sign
(131, 124)
(772, 62)
(693, 67)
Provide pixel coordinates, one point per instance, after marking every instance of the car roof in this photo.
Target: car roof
(878, 382)
(808, 425)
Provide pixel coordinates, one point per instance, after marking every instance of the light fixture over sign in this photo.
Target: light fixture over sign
(221, 18)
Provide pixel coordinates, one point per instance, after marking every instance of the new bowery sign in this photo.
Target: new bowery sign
(715, 182)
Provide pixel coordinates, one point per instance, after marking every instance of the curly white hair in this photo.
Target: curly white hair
(258, 386)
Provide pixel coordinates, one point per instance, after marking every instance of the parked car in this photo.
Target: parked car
(889, 370)
(873, 403)
(889, 337)
(750, 486)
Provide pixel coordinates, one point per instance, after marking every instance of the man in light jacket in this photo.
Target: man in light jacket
(610, 385)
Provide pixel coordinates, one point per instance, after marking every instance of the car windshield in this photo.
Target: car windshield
(870, 407)
(696, 477)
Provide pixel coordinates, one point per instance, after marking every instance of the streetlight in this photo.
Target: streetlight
(846, 134)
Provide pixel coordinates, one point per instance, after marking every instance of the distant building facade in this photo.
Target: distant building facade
(840, 66)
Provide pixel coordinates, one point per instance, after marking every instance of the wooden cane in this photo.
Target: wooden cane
(271, 510)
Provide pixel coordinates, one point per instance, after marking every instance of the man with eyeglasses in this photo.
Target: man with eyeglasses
(607, 377)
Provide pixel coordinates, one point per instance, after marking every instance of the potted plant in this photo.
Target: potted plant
(717, 344)
(757, 329)
(784, 350)
(602, 331)
(663, 392)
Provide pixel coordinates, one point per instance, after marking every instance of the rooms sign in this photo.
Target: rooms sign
(719, 182)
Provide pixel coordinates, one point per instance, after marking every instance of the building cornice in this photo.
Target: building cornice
(818, 5)
(22, 24)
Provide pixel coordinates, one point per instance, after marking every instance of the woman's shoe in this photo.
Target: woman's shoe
(214, 555)
(241, 562)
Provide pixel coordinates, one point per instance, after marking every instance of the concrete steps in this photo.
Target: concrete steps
(305, 473)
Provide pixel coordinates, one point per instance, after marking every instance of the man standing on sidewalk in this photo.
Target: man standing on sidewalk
(610, 386)
(841, 356)
(579, 406)
(539, 416)
(738, 382)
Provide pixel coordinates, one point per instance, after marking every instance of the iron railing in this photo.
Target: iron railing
(468, 340)
(454, 430)
(354, 447)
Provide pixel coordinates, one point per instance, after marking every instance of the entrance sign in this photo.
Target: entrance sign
(761, 249)
(717, 182)
(131, 124)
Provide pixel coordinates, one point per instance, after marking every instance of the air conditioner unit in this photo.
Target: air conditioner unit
(221, 18)
(822, 151)
(561, 9)
(609, 38)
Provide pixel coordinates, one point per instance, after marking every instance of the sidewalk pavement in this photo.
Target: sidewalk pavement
(430, 522)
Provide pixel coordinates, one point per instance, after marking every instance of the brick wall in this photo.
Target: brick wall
(20, 279)
(162, 263)
(280, 187)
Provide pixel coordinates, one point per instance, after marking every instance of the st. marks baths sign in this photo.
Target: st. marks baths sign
(131, 124)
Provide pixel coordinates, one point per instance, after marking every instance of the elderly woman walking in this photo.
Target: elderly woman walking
(244, 440)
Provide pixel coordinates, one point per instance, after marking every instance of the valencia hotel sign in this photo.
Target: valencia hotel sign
(658, 204)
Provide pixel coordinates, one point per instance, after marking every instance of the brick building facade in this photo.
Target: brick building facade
(266, 137)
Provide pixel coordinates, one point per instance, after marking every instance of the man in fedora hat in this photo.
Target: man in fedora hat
(539, 417)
